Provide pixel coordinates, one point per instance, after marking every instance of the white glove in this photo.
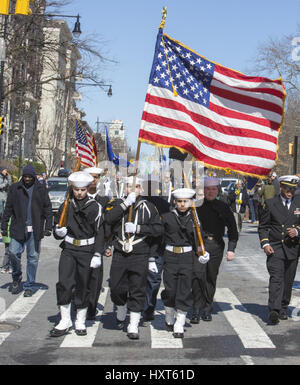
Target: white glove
(61, 231)
(152, 267)
(204, 258)
(130, 200)
(130, 227)
(95, 262)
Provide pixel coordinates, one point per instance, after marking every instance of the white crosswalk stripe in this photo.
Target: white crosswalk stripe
(160, 338)
(72, 340)
(246, 327)
(18, 310)
(243, 323)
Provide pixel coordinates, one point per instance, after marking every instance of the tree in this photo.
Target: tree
(281, 58)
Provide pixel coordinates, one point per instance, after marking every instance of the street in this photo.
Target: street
(238, 335)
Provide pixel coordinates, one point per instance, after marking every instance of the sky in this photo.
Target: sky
(227, 32)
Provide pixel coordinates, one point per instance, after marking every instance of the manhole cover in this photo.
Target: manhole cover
(8, 327)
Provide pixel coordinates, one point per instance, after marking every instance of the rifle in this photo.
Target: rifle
(196, 222)
(63, 216)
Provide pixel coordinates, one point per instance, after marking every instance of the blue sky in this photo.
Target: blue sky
(227, 32)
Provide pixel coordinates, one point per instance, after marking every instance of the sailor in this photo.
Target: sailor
(83, 247)
(132, 243)
(96, 277)
(214, 216)
(179, 256)
(279, 230)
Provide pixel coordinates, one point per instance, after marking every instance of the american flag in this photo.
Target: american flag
(84, 146)
(222, 117)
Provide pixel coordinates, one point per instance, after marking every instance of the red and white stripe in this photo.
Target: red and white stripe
(238, 131)
(86, 153)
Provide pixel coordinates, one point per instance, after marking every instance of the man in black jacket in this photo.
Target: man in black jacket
(132, 243)
(279, 230)
(29, 207)
(214, 215)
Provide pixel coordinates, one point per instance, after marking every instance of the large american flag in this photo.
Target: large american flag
(223, 118)
(84, 146)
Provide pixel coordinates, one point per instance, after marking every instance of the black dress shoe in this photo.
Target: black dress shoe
(195, 319)
(282, 315)
(28, 293)
(81, 332)
(58, 333)
(274, 317)
(170, 328)
(206, 317)
(120, 324)
(178, 335)
(133, 336)
(15, 287)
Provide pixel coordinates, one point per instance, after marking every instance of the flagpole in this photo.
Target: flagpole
(195, 219)
(136, 164)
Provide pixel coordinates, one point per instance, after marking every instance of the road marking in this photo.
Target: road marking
(248, 360)
(295, 308)
(19, 309)
(248, 330)
(72, 340)
(160, 337)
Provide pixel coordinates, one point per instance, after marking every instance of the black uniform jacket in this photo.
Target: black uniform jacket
(179, 229)
(232, 200)
(82, 224)
(214, 217)
(16, 209)
(274, 222)
(147, 225)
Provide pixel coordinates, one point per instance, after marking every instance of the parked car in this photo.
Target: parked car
(57, 189)
(225, 182)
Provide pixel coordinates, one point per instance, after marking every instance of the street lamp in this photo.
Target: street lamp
(76, 31)
(109, 92)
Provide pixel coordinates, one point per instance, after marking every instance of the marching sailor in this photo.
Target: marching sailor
(96, 277)
(132, 243)
(279, 230)
(83, 247)
(179, 256)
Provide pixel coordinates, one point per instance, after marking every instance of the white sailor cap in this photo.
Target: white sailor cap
(289, 180)
(210, 181)
(80, 179)
(129, 180)
(184, 193)
(94, 170)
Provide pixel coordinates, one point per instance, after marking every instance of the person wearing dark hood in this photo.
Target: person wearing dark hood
(29, 207)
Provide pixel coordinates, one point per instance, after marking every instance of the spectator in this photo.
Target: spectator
(5, 182)
(238, 200)
(266, 191)
(6, 265)
(29, 207)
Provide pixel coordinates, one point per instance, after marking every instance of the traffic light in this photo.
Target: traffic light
(4, 7)
(23, 7)
(291, 149)
(1, 125)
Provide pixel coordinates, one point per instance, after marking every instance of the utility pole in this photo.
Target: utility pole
(295, 155)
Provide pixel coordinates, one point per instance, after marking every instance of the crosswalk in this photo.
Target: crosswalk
(244, 325)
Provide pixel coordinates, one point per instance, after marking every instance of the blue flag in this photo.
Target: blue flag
(111, 155)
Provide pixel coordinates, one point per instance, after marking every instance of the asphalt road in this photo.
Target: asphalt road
(238, 335)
